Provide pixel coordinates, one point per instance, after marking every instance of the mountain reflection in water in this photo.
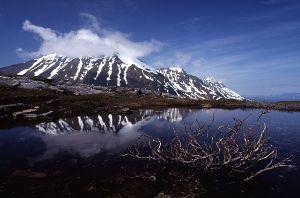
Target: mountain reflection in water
(89, 135)
(109, 122)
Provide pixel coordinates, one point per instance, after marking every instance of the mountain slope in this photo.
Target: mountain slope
(123, 72)
(193, 87)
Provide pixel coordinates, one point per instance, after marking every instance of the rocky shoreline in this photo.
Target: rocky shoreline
(26, 100)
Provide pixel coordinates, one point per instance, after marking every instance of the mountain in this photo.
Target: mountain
(122, 72)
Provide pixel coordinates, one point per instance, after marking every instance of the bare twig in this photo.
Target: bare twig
(239, 148)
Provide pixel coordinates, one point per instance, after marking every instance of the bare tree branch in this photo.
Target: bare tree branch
(239, 148)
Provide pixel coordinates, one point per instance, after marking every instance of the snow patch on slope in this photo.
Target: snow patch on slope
(79, 66)
(37, 61)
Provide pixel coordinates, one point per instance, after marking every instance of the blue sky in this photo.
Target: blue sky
(253, 46)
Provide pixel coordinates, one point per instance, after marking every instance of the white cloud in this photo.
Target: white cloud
(175, 59)
(181, 58)
(92, 21)
(44, 33)
(198, 62)
(89, 41)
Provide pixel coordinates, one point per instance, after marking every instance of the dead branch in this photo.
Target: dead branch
(239, 148)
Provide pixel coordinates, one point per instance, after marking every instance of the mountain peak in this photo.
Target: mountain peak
(173, 69)
(113, 58)
(136, 62)
(176, 68)
(211, 79)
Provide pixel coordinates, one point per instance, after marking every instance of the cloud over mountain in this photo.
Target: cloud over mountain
(90, 41)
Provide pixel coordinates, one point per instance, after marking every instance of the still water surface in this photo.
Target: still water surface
(87, 136)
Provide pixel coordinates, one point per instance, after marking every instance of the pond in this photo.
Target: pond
(81, 155)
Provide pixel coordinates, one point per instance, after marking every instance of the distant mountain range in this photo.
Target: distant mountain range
(279, 97)
(122, 72)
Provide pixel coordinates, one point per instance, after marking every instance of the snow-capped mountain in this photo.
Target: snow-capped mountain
(122, 72)
(191, 86)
